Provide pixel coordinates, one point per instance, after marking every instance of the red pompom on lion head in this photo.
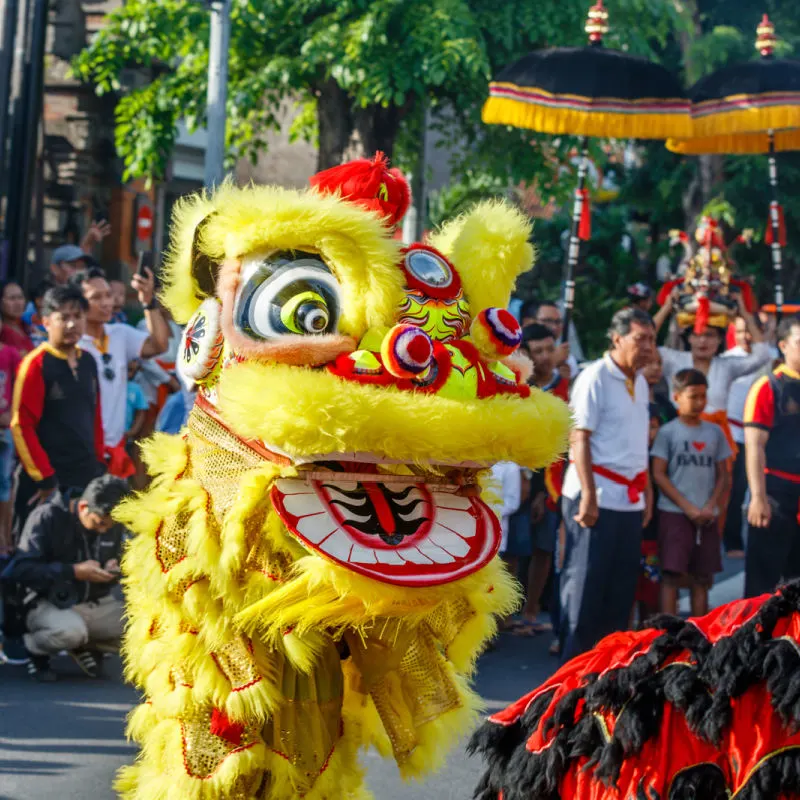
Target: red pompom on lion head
(369, 183)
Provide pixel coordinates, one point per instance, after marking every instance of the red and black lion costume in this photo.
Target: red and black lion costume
(705, 708)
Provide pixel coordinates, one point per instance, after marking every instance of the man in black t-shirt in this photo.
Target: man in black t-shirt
(67, 562)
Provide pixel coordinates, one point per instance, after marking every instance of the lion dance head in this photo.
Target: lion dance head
(707, 291)
(314, 569)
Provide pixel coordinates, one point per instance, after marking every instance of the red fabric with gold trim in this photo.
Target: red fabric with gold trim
(759, 735)
(617, 650)
(403, 534)
(655, 767)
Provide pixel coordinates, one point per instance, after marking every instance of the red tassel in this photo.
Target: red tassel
(769, 238)
(221, 726)
(702, 315)
(585, 224)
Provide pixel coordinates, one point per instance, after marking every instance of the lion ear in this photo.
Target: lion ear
(190, 268)
(490, 247)
(204, 268)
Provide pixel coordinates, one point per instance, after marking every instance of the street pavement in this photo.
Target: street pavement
(65, 740)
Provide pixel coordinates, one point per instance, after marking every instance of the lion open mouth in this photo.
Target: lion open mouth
(397, 529)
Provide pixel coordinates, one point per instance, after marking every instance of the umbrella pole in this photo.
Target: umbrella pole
(574, 250)
(774, 219)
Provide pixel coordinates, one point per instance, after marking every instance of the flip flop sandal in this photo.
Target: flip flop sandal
(527, 630)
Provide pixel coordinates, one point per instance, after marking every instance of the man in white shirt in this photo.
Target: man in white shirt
(113, 346)
(606, 486)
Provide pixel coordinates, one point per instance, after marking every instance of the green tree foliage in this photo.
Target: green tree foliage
(362, 65)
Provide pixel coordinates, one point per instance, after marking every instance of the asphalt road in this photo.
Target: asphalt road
(65, 740)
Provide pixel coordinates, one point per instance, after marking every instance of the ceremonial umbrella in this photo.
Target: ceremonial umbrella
(748, 108)
(588, 91)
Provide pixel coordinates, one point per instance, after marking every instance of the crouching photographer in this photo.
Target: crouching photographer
(68, 562)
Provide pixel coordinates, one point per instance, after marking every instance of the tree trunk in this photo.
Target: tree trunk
(710, 169)
(376, 128)
(335, 124)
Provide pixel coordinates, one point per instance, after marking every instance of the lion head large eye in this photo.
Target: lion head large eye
(289, 292)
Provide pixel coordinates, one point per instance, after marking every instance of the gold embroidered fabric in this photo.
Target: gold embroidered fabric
(179, 676)
(260, 556)
(219, 460)
(171, 540)
(236, 663)
(449, 619)
(203, 752)
(418, 693)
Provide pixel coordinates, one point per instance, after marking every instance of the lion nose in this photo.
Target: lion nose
(407, 351)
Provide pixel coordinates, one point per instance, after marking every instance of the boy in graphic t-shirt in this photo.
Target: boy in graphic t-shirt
(688, 468)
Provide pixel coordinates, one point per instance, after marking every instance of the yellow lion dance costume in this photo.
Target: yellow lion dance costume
(313, 571)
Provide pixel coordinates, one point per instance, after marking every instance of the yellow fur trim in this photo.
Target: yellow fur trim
(322, 595)
(501, 596)
(490, 247)
(283, 405)
(353, 242)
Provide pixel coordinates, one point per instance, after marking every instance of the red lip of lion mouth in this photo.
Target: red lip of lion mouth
(408, 532)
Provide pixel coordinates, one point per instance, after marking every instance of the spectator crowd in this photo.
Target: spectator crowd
(79, 388)
(677, 455)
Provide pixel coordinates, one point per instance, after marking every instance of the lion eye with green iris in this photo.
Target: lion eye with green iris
(286, 293)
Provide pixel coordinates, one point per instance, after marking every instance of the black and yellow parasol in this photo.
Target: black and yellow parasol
(588, 91)
(750, 108)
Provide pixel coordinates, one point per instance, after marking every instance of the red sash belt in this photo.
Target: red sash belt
(735, 423)
(636, 485)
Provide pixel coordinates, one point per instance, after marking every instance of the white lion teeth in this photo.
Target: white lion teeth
(451, 501)
(465, 524)
(434, 552)
(361, 555)
(301, 505)
(413, 555)
(449, 541)
(389, 557)
(288, 487)
(338, 545)
(316, 527)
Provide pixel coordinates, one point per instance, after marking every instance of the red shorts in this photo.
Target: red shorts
(679, 550)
